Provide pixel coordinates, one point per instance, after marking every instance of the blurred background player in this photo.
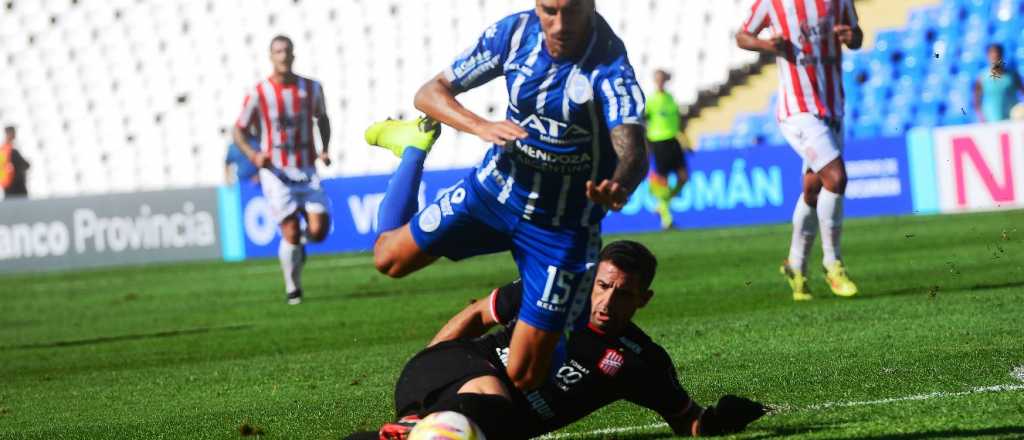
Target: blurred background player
(806, 42)
(995, 90)
(662, 114)
(571, 148)
(283, 107)
(237, 166)
(610, 359)
(13, 167)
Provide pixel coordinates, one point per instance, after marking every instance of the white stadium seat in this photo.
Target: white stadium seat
(64, 58)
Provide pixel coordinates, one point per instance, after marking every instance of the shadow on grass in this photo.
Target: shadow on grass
(128, 337)
(758, 433)
(952, 433)
(926, 290)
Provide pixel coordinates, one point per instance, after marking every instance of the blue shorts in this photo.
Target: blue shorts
(556, 264)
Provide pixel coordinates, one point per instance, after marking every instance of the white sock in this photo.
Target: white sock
(805, 227)
(830, 219)
(290, 256)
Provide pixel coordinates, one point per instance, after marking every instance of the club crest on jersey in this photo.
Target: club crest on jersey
(430, 219)
(611, 362)
(579, 88)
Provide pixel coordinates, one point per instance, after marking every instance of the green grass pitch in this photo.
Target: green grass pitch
(197, 351)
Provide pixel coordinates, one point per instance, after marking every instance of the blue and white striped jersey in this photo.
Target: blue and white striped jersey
(568, 107)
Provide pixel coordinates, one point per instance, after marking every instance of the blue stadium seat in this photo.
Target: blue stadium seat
(915, 44)
(948, 54)
(902, 105)
(974, 41)
(852, 108)
(909, 83)
(957, 118)
(959, 106)
(865, 130)
(902, 83)
(933, 82)
(922, 20)
(894, 125)
(887, 43)
(927, 120)
(931, 108)
(744, 127)
(775, 138)
(950, 14)
(710, 142)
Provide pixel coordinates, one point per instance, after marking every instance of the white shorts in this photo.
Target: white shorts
(300, 191)
(816, 141)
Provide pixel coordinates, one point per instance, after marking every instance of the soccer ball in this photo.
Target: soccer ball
(446, 425)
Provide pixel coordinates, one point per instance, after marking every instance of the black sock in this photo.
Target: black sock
(493, 414)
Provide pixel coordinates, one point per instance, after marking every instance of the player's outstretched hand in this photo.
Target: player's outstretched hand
(260, 160)
(325, 158)
(844, 32)
(608, 193)
(730, 415)
(500, 132)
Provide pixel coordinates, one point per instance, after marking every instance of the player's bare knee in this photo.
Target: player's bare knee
(317, 234)
(835, 182)
(489, 385)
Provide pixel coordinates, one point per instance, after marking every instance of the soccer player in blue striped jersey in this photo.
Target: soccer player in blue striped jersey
(571, 148)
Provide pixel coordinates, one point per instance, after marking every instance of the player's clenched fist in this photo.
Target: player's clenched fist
(776, 44)
(325, 158)
(499, 132)
(260, 160)
(608, 193)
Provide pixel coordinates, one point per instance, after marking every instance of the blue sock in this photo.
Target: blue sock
(399, 204)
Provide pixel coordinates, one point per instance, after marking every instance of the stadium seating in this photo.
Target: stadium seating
(126, 95)
(920, 75)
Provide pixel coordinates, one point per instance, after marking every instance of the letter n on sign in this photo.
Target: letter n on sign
(964, 146)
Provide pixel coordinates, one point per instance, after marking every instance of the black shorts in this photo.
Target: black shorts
(437, 373)
(668, 156)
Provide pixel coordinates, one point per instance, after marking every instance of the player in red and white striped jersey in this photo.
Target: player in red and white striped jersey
(806, 39)
(283, 108)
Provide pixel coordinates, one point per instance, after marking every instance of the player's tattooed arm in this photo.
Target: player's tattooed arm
(631, 148)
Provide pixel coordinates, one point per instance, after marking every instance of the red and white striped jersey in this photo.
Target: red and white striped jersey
(284, 114)
(810, 67)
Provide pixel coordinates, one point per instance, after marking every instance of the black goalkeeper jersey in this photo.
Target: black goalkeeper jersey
(598, 369)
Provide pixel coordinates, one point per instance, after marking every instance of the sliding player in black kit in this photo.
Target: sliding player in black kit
(608, 359)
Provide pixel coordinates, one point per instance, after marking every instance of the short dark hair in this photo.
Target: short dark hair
(996, 47)
(9, 129)
(281, 37)
(633, 258)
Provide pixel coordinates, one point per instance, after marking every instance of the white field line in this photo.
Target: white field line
(826, 405)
